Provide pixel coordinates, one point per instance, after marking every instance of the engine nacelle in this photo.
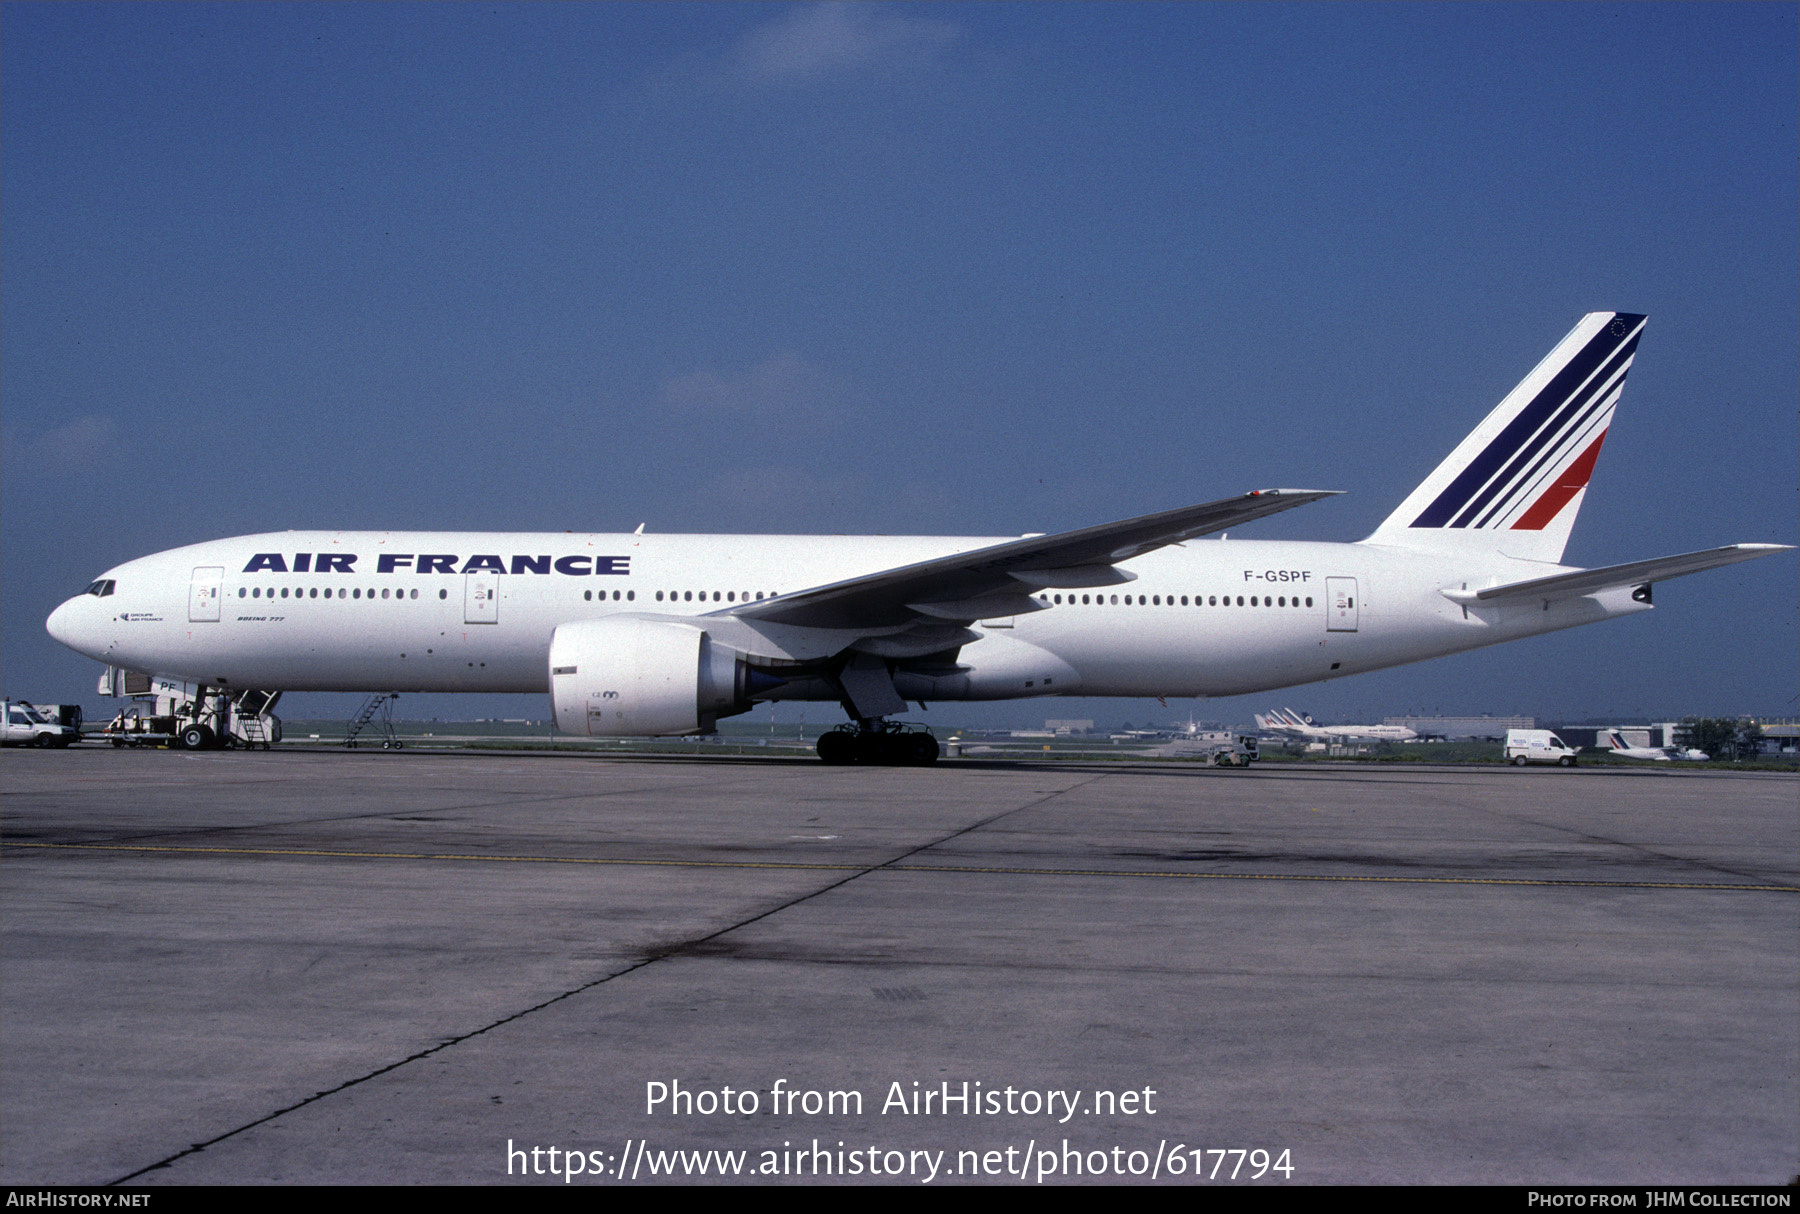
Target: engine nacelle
(637, 676)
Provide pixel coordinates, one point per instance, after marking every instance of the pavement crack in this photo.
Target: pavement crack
(680, 949)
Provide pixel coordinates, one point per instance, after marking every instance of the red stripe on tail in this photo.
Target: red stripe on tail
(1573, 480)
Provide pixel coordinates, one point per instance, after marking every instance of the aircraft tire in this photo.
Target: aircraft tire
(836, 748)
(922, 749)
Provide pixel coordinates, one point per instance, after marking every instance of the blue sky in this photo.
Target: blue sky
(898, 268)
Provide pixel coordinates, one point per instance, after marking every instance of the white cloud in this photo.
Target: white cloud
(83, 443)
(781, 498)
(835, 39)
(781, 387)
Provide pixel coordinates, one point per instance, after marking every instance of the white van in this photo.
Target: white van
(1537, 746)
(28, 725)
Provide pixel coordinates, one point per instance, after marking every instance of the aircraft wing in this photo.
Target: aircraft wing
(998, 580)
(1612, 577)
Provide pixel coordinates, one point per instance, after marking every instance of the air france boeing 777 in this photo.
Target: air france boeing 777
(649, 635)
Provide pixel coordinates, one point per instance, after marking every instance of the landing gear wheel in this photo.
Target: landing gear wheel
(922, 749)
(878, 747)
(882, 750)
(837, 748)
(196, 737)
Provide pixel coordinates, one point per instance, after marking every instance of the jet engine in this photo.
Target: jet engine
(638, 676)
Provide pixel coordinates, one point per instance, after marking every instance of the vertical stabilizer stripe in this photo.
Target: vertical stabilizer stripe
(1570, 434)
(1600, 350)
(1572, 481)
(1591, 390)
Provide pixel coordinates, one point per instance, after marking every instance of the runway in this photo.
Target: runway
(325, 967)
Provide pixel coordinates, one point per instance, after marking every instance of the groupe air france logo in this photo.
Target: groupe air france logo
(440, 562)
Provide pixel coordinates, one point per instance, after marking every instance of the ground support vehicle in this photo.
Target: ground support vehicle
(191, 716)
(42, 725)
(1241, 751)
(1537, 746)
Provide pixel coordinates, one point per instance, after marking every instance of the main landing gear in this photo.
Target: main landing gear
(877, 743)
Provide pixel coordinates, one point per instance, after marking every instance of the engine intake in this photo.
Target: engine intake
(646, 676)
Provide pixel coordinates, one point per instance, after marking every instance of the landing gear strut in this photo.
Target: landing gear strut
(878, 743)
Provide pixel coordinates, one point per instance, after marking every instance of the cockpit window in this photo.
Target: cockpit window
(101, 588)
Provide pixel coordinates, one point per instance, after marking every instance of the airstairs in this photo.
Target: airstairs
(376, 716)
(251, 718)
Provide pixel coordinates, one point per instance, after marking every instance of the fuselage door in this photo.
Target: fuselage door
(481, 597)
(1340, 604)
(203, 594)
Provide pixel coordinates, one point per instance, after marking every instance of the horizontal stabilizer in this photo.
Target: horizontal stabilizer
(1613, 577)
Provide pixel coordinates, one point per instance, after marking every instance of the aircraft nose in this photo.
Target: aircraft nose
(73, 624)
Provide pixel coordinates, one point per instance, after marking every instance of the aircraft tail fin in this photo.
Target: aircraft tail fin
(1515, 484)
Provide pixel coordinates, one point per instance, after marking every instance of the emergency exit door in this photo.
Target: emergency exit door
(1340, 604)
(481, 597)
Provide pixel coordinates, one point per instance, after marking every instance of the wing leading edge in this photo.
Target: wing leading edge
(997, 580)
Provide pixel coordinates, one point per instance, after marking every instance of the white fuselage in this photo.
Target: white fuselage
(1347, 733)
(475, 611)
